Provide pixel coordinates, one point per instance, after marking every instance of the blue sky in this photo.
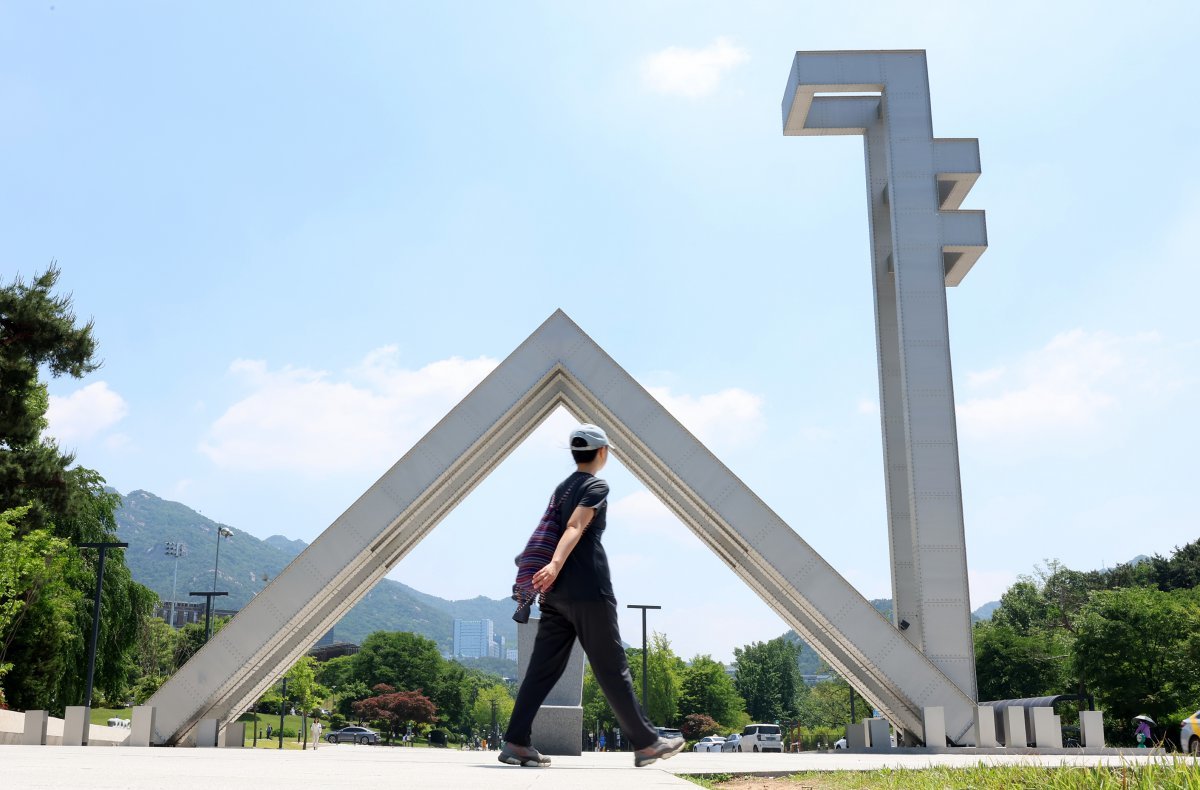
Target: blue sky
(305, 230)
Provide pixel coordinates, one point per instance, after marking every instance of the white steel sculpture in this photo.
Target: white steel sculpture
(926, 664)
(920, 243)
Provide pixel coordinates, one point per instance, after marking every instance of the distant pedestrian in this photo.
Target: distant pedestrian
(577, 602)
(268, 732)
(317, 729)
(603, 742)
(1143, 734)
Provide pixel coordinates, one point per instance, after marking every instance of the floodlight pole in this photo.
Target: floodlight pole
(645, 651)
(91, 666)
(175, 549)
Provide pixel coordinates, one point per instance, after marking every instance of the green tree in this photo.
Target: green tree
(768, 678)
(481, 711)
(406, 661)
(155, 658)
(665, 669)
(303, 688)
(32, 570)
(38, 331)
(706, 688)
(596, 710)
(1136, 648)
(1011, 665)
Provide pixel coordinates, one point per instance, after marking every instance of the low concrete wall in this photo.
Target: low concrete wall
(12, 729)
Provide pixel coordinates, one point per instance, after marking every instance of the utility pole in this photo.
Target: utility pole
(645, 643)
(91, 665)
(208, 607)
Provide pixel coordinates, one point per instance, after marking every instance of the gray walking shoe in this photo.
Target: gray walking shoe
(527, 756)
(662, 749)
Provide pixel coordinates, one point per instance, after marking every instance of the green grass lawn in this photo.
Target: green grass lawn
(1167, 774)
(102, 715)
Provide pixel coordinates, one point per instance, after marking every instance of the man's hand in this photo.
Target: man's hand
(543, 580)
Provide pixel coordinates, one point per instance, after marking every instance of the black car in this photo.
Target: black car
(353, 735)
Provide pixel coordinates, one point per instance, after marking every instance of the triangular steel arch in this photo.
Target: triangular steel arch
(558, 365)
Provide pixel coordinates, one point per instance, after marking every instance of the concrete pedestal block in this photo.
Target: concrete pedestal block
(558, 727)
(878, 730)
(1046, 732)
(985, 727)
(141, 727)
(1091, 729)
(568, 691)
(1014, 728)
(234, 735)
(558, 730)
(35, 728)
(76, 725)
(206, 733)
(856, 735)
(934, 719)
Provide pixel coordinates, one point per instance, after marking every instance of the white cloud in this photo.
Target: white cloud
(731, 416)
(85, 413)
(691, 72)
(307, 421)
(1066, 386)
(652, 518)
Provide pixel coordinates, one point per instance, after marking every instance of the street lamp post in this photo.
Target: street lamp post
(222, 532)
(91, 667)
(175, 549)
(645, 670)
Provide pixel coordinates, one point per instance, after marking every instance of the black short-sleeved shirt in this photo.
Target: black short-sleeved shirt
(584, 576)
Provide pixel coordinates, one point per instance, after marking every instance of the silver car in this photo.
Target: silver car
(709, 743)
(732, 741)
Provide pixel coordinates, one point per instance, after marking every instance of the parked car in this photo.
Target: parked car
(709, 743)
(761, 738)
(1189, 734)
(840, 743)
(353, 735)
(732, 740)
(667, 732)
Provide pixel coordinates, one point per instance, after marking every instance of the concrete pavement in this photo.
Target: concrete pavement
(357, 767)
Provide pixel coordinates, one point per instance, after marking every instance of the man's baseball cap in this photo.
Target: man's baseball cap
(592, 434)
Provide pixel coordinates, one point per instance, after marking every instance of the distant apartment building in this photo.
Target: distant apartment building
(187, 612)
(474, 638)
(511, 654)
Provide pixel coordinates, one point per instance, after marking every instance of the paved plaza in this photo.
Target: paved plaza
(349, 766)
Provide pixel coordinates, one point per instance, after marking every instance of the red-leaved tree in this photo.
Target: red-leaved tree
(697, 725)
(396, 709)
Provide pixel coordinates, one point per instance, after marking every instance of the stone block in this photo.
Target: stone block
(76, 725)
(1014, 727)
(558, 730)
(934, 721)
(1091, 729)
(35, 728)
(234, 735)
(1046, 734)
(985, 727)
(141, 726)
(206, 733)
(856, 736)
(879, 732)
(568, 691)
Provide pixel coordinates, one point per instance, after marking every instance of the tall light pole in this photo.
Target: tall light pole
(176, 549)
(222, 532)
(91, 667)
(645, 651)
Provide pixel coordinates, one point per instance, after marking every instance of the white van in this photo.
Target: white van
(761, 738)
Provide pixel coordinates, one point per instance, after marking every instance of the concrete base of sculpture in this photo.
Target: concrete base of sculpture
(141, 726)
(206, 733)
(985, 727)
(233, 736)
(880, 734)
(75, 726)
(35, 728)
(856, 736)
(558, 728)
(1091, 726)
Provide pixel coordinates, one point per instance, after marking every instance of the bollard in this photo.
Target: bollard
(1045, 734)
(1014, 727)
(76, 726)
(881, 737)
(985, 727)
(856, 736)
(35, 728)
(1091, 729)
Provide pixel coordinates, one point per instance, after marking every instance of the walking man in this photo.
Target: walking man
(579, 603)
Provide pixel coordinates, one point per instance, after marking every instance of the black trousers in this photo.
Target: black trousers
(595, 624)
